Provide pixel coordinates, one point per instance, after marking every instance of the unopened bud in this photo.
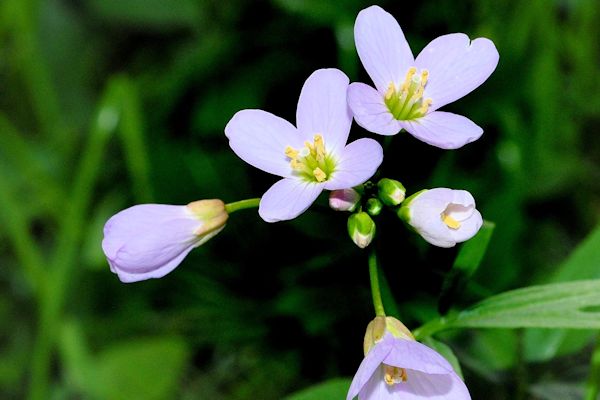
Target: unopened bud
(361, 229)
(344, 199)
(374, 206)
(391, 192)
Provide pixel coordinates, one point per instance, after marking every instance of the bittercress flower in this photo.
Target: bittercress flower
(397, 367)
(443, 217)
(409, 91)
(150, 240)
(311, 156)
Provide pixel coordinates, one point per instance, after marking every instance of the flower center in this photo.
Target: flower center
(311, 162)
(393, 375)
(407, 102)
(454, 214)
(449, 221)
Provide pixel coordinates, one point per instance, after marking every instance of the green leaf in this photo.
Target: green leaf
(332, 389)
(465, 265)
(147, 13)
(582, 263)
(572, 305)
(144, 369)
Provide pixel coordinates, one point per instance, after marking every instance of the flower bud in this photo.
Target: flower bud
(344, 199)
(379, 326)
(149, 240)
(391, 192)
(374, 206)
(361, 229)
(443, 217)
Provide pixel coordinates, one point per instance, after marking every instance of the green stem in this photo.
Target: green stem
(593, 384)
(430, 328)
(375, 289)
(242, 205)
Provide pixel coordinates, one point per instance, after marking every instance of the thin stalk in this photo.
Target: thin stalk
(375, 289)
(242, 205)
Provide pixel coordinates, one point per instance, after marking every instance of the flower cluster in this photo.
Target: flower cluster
(312, 155)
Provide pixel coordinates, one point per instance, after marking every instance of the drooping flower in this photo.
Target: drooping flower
(149, 240)
(409, 91)
(442, 216)
(310, 157)
(396, 367)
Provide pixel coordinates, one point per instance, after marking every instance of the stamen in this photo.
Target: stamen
(450, 222)
(319, 174)
(393, 375)
(407, 103)
(311, 162)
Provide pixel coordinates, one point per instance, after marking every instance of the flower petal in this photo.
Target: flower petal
(128, 276)
(370, 112)
(260, 139)
(322, 108)
(287, 199)
(468, 228)
(382, 47)
(420, 385)
(410, 354)
(149, 240)
(369, 365)
(358, 162)
(456, 66)
(443, 129)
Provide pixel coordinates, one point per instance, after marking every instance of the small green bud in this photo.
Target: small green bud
(391, 192)
(374, 206)
(361, 229)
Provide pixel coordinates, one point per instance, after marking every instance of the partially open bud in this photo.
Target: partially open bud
(443, 217)
(379, 326)
(344, 199)
(149, 240)
(391, 192)
(361, 229)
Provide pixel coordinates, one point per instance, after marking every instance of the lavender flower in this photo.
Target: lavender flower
(149, 240)
(443, 217)
(310, 157)
(409, 90)
(396, 367)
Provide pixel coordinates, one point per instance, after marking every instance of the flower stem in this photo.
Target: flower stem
(242, 205)
(375, 289)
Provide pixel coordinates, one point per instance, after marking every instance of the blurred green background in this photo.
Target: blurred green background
(109, 103)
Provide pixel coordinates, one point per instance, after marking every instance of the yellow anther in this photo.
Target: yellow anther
(319, 144)
(450, 222)
(409, 75)
(320, 176)
(425, 106)
(424, 77)
(393, 375)
(297, 165)
(390, 92)
(291, 152)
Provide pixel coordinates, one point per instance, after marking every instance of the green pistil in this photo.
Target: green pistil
(406, 102)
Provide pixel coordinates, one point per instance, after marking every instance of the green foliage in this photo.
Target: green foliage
(332, 389)
(561, 305)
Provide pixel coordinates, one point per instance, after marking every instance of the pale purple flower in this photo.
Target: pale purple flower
(149, 240)
(442, 216)
(409, 91)
(404, 369)
(310, 156)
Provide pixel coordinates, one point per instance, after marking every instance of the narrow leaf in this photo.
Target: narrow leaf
(572, 305)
